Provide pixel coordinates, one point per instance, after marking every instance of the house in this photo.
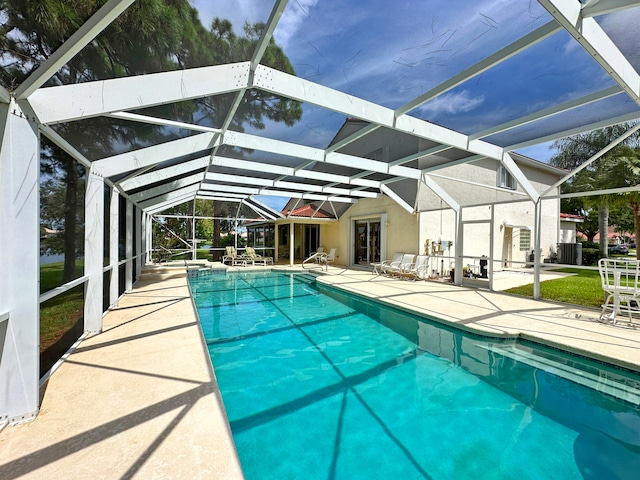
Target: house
(495, 221)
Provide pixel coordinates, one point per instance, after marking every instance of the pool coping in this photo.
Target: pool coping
(580, 331)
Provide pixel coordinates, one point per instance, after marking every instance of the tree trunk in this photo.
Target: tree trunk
(70, 212)
(603, 227)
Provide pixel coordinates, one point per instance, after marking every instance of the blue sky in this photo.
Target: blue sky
(391, 52)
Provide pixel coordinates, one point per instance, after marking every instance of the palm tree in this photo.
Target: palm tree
(605, 173)
(623, 170)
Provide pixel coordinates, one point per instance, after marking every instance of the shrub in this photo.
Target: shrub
(590, 256)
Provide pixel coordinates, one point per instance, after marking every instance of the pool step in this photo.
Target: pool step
(161, 272)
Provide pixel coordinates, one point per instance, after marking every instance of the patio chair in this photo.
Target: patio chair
(331, 256)
(254, 258)
(320, 250)
(325, 258)
(233, 258)
(230, 255)
(621, 282)
(395, 262)
(405, 264)
(416, 270)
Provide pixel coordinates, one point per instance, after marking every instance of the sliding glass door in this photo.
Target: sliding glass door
(367, 241)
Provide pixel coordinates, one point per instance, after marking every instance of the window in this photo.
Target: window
(525, 240)
(505, 179)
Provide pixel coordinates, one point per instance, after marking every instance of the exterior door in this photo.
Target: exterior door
(311, 239)
(366, 241)
(507, 247)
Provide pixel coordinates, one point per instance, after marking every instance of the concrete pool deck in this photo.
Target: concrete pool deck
(140, 400)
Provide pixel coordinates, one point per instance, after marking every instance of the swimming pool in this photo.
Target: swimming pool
(319, 384)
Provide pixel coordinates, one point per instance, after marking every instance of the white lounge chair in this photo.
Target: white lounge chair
(417, 270)
(405, 264)
(395, 262)
(254, 258)
(233, 258)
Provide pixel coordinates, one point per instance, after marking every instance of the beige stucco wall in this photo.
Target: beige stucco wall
(398, 226)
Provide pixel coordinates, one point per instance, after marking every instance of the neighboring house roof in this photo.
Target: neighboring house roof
(308, 211)
(570, 217)
(538, 164)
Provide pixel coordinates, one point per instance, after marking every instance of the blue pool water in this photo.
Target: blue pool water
(318, 384)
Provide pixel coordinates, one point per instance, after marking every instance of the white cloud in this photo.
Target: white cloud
(451, 103)
(292, 20)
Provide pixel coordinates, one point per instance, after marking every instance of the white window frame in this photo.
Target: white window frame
(505, 179)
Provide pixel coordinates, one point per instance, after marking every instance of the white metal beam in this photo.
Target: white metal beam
(167, 187)
(254, 142)
(521, 178)
(250, 191)
(236, 197)
(52, 135)
(601, 7)
(76, 42)
(135, 117)
(593, 158)
(180, 193)
(258, 208)
(164, 174)
(219, 161)
(492, 60)
(592, 193)
(267, 32)
(290, 86)
(451, 163)
(597, 43)
(548, 112)
(303, 187)
(19, 265)
(114, 236)
(94, 252)
(155, 154)
(305, 91)
(396, 198)
(420, 154)
(5, 96)
(440, 192)
(627, 117)
(352, 138)
(169, 203)
(83, 100)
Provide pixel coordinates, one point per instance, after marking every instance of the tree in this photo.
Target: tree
(624, 171)
(150, 36)
(574, 151)
(61, 207)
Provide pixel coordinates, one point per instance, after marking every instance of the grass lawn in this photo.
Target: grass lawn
(584, 288)
(61, 317)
